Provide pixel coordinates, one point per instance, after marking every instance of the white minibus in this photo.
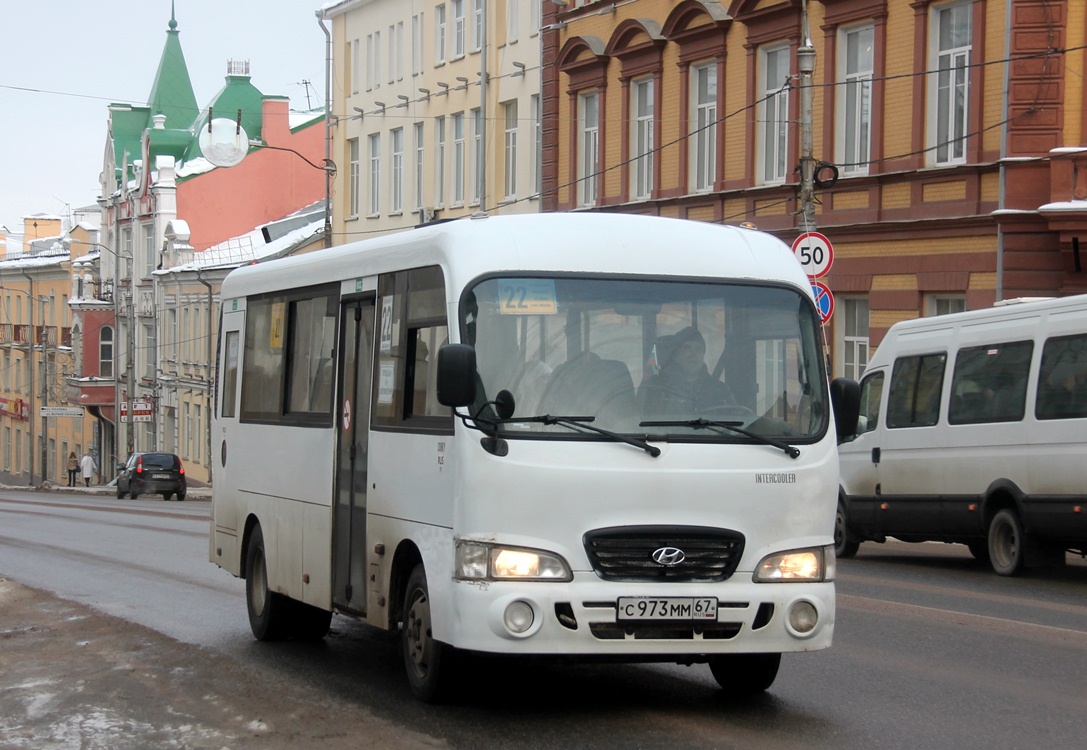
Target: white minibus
(582, 435)
(973, 430)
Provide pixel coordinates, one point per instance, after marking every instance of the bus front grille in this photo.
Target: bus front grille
(664, 553)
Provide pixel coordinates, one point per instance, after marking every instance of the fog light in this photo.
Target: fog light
(518, 617)
(803, 617)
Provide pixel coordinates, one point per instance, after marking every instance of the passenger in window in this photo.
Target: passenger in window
(684, 386)
(1065, 394)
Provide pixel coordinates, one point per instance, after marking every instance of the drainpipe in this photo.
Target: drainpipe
(328, 131)
(1001, 203)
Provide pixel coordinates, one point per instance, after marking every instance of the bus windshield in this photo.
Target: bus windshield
(668, 359)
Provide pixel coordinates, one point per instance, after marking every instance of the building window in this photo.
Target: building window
(641, 139)
(949, 86)
(373, 60)
(458, 28)
(458, 159)
(353, 176)
(773, 115)
(513, 20)
(477, 156)
(588, 156)
(105, 352)
(942, 304)
(439, 34)
(855, 316)
(375, 174)
(148, 343)
(417, 44)
(356, 66)
(439, 166)
(510, 150)
(397, 170)
(419, 161)
(704, 121)
(149, 249)
(477, 25)
(856, 64)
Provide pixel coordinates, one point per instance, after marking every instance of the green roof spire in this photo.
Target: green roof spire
(172, 93)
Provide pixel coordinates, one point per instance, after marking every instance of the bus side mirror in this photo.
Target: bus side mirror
(845, 397)
(456, 375)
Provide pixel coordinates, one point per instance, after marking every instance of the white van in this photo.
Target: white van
(973, 430)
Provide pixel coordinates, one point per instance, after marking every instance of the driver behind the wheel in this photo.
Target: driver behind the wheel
(683, 387)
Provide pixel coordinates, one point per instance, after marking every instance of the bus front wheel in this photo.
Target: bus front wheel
(268, 611)
(741, 675)
(1006, 547)
(429, 663)
(844, 547)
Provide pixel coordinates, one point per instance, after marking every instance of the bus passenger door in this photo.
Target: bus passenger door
(352, 427)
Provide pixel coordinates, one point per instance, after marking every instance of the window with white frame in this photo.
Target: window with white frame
(704, 127)
(417, 44)
(149, 249)
(513, 20)
(477, 25)
(399, 50)
(393, 54)
(588, 149)
(535, 14)
(148, 344)
(397, 153)
(950, 45)
(356, 66)
(854, 327)
(773, 115)
(942, 304)
(458, 28)
(856, 64)
(353, 177)
(373, 60)
(641, 138)
(477, 155)
(439, 161)
(105, 352)
(509, 148)
(417, 130)
(375, 174)
(439, 34)
(458, 159)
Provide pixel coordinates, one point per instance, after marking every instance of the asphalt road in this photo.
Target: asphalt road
(129, 638)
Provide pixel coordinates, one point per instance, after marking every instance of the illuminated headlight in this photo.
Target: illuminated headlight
(815, 564)
(477, 561)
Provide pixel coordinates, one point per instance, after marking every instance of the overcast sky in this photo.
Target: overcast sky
(63, 61)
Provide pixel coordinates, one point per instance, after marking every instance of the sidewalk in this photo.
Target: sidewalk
(72, 678)
(192, 493)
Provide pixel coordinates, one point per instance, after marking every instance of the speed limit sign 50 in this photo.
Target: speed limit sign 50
(814, 252)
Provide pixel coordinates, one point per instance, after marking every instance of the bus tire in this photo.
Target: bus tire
(268, 611)
(428, 663)
(844, 547)
(1006, 543)
(741, 675)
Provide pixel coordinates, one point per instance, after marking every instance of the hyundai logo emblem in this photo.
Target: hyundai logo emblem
(668, 556)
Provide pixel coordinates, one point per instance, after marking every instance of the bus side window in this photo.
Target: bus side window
(871, 395)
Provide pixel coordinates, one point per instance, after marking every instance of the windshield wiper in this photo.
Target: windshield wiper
(581, 423)
(790, 451)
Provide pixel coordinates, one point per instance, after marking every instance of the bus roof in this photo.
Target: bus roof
(552, 242)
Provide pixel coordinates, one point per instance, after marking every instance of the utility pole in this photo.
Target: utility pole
(805, 57)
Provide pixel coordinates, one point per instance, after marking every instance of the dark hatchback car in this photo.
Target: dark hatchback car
(151, 474)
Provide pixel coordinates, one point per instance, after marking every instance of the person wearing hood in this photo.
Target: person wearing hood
(684, 386)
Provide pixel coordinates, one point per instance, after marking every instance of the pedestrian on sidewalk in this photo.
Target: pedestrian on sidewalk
(86, 464)
(73, 469)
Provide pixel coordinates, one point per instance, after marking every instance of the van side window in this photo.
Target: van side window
(1062, 379)
(412, 327)
(989, 383)
(871, 395)
(914, 399)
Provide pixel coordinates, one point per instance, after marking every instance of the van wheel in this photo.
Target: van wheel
(268, 611)
(1006, 543)
(844, 547)
(742, 675)
(428, 662)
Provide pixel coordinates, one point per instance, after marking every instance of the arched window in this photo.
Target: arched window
(105, 352)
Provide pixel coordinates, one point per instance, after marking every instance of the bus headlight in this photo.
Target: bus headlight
(814, 564)
(485, 562)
